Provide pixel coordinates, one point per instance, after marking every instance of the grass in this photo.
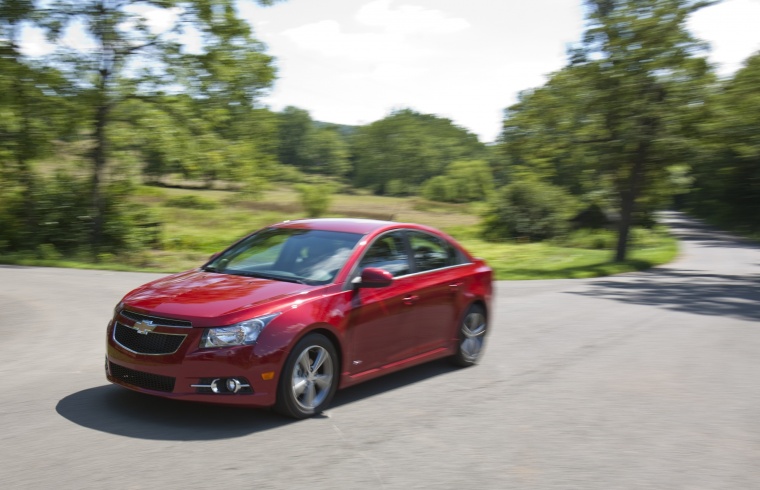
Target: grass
(197, 223)
(546, 261)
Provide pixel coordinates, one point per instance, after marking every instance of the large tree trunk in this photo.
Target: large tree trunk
(628, 198)
(99, 163)
(104, 33)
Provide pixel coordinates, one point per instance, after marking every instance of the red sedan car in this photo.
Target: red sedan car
(292, 312)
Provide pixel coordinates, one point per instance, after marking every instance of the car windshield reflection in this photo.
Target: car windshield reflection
(286, 254)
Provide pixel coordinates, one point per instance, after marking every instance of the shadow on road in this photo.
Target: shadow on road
(692, 230)
(119, 411)
(687, 291)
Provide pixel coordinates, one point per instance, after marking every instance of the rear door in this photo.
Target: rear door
(439, 273)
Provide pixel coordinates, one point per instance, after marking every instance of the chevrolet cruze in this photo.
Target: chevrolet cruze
(290, 313)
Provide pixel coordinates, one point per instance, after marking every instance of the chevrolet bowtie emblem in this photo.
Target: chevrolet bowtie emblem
(143, 327)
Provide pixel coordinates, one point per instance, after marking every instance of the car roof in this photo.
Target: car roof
(347, 225)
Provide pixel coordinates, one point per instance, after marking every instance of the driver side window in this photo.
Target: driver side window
(388, 253)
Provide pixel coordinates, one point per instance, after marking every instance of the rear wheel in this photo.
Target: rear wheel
(472, 334)
(309, 379)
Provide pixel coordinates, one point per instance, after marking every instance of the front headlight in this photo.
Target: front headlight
(242, 333)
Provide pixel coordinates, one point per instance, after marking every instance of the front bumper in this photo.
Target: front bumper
(188, 372)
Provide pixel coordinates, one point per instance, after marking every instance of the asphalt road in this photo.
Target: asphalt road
(646, 380)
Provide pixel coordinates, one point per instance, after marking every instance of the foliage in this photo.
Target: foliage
(310, 146)
(411, 147)
(327, 152)
(528, 210)
(191, 201)
(315, 198)
(462, 181)
(132, 61)
(609, 125)
(60, 217)
(726, 187)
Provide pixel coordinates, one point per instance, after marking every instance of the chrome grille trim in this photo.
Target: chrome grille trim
(157, 320)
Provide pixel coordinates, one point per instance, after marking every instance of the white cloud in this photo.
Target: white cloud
(408, 18)
(731, 28)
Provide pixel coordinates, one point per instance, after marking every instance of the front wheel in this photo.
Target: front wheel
(309, 378)
(472, 334)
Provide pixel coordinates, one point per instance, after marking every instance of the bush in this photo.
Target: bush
(464, 181)
(52, 216)
(191, 201)
(399, 188)
(315, 199)
(598, 239)
(528, 210)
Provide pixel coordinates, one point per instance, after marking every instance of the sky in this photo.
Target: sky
(354, 61)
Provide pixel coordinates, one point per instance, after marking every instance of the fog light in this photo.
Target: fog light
(214, 386)
(233, 385)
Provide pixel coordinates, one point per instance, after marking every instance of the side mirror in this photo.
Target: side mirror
(373, 277)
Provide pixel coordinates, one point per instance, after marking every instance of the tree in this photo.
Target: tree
(621, 113)
(312, 146)
(726, 185)
(295, 125)
(327, 152)
(33, 106)
(645, 73)
(132, 60)
(463, 181)
(407, 148)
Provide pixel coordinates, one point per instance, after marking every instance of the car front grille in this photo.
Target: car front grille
(140, 379)
(169, 322)
(150, 343)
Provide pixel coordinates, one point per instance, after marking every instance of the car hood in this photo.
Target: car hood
(209, 298)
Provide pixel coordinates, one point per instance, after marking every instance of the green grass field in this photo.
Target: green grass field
(197, 223)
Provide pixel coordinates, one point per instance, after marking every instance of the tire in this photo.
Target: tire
(472, 335)
(309, 379)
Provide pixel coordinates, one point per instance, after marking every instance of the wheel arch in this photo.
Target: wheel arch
(325, 330)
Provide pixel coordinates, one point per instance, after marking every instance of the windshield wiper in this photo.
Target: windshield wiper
(270, 276)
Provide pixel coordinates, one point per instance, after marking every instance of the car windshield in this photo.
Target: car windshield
(288, 254)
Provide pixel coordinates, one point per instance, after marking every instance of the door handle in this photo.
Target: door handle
(411, 299)
(455, 287)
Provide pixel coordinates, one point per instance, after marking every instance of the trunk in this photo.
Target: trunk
(24, 154)
(105, 35)
(628, 201)
(99, 163)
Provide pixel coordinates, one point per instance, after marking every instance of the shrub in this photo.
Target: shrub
(52, 216)
(191, 201)
(315, 199)
(464, 181)
(528, 210)
(597, 239)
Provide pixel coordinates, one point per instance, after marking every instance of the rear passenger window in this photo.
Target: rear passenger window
(431, 252)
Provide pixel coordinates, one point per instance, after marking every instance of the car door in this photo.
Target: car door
(380, 324)
(439, 281)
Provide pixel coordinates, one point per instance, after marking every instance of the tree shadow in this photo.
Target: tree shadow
(116, 410)
(687, 291)
(693, 230)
